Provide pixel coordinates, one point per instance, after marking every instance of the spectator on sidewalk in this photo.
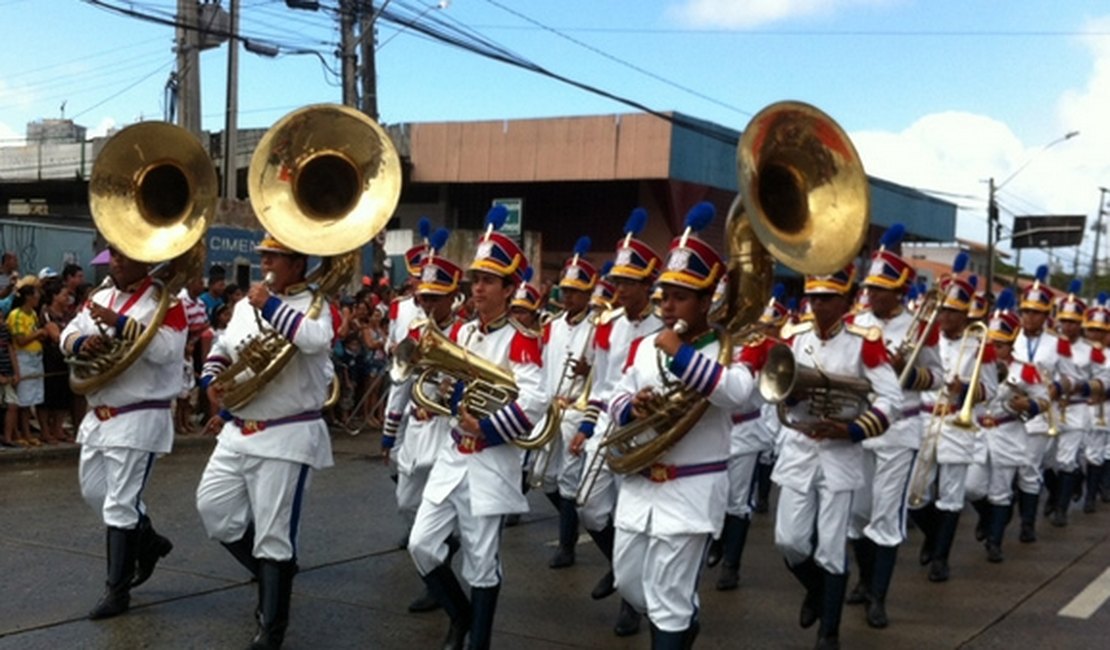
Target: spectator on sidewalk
(57, 401)
(9, 377)
(23, 321)
(217, 283)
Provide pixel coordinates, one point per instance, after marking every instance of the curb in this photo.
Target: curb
(72, 450)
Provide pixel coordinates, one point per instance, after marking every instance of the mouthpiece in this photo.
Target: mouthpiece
(268, 279)
(680, 326)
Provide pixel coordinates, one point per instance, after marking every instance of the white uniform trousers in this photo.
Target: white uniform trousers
(658, 574)
(238, 489)
(879, 507)
(1066, 458)
(1029, 474)
(992, 482)
(816, 513)
(480, 537)
(549, 461)
(597, 512)
(112, 482)
(570, 472)
(1094, 446)
(410, 491)
(741, 484)
(951, 486)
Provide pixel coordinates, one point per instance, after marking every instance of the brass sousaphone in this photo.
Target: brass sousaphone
(152, 194)
(324, 180)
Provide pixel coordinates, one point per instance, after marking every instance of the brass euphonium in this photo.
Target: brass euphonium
(324, 180)
(830, 396)
(152, 194)
(803, 201)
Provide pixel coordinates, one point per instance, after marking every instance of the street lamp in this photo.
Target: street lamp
(992, 206)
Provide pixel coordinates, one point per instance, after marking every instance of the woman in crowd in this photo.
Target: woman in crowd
(58, 398)
(23, 321)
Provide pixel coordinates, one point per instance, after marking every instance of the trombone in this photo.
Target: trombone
(964, 419)
(910, 347)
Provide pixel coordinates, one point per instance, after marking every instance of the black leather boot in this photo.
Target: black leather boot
(1066, 482)
(445, 588)
(714, 553)
(999, 518)
(568, 535)
(946, 533)
(1094, 479)
(426, 602)
(734, 538)
(1104, 485)
(810, 576)
(882, 573)
(982, 508)
(628, 620)
(661, 640)
(242, 550)
(604, 540)
(483, 603)
(1027, 509)
(275, 590)
(926, 520)
(865, 559)
(832, 605)
(151, 548)
(121, 551)
(1051, 486)
(763, 473)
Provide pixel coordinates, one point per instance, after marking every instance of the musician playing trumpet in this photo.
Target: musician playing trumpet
(667, 513)
(821, 461)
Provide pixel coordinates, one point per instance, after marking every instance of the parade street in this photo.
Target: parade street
(355, 582)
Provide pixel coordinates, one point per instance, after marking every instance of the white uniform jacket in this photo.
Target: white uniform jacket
(855, 352)
(957, 445)
(612, 341)
(693, 503)
(567, 338)
(905, 430)
(1100, 370)
(1051, 354)
(402, 312)
(491, 465)
(750, 433)
(1075, 414)
(298, 391)
(1004, 428)
(154, 377)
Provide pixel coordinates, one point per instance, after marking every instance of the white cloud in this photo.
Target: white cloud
(9, 137)
(105, 126)
(753, 13)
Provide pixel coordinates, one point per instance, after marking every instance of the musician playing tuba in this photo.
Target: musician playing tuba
(477, 480)
(667, 512)
(152, 193)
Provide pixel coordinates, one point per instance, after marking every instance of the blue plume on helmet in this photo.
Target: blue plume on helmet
(606, 268)
(778, 291)
(582, 246)
(527, 275)
(439, 239)
(1005, 300)
(1075, 286)
(424, 227)
(1102, 297)
(496, 216)
(792, 303)
(1042, 273)
(913, 293)
(959, 265)
(636, 222)
(974, 282)
(700, 216)
(893, 236)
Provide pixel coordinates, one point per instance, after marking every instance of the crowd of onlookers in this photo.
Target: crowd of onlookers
(40, 408)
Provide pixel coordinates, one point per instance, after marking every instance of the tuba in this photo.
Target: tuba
(803, 201)
(325, 178)
(152, 193)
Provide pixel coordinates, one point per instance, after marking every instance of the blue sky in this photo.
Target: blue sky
(937, 94)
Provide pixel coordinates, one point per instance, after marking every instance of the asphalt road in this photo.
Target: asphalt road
(355, 583)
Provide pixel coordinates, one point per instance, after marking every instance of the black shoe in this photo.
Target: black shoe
(938, 571)
(1059, 518)
(445, 588)
(876, 614)
(729, 578)
(858, 595)
(811, 578)
(827, 643)
(715, 553)
(425, 602)
(809, 613)
(628, 620)
(483, 602)
(563, 558)
(834, 587)
(512, 520)
(275, 590)
(994, 553)
(1028, 533)
(151, 548)
(604, 587)
(121, 550)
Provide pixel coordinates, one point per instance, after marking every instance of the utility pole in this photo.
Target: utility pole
(1098, 236)
(992, 219)
(348, 56)
(188, 67)
(231, 163)
(369, 70)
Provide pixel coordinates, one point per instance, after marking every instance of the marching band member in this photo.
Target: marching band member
(877, 526)
(1052, 357)
(414, 450)
(527, 304)
(666, 515)
(566, 359)
(477, 480)
(1075, 417)
(821, 463)
(633, 273)
(1021, 395)
(250, 495)
(749, 440)
(1096, 325)
(952, 446)
(128, 423)
(404, 309)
